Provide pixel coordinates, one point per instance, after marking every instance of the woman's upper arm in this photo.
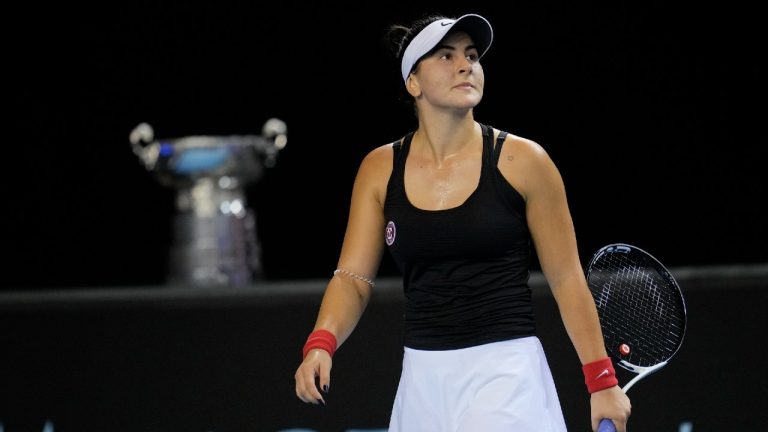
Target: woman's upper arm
(364, 236)
(535, 175)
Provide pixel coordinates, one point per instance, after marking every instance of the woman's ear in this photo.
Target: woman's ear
(412, 85)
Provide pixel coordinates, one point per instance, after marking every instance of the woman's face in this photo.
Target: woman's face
(452, 75)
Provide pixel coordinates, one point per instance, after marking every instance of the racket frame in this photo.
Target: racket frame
(606, 425)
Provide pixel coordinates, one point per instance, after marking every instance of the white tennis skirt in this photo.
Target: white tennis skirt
(501, 386)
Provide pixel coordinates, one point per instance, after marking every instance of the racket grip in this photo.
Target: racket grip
(606, 425)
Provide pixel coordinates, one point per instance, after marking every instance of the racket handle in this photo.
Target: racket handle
(606, 425)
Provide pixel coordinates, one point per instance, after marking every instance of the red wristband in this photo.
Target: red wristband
(321, 339)
(599, 375)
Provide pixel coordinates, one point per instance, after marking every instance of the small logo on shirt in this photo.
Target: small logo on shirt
(389, 233)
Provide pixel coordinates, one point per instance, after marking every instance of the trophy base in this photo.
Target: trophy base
(220, 250)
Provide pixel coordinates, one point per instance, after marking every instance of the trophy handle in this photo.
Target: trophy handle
(148, 151)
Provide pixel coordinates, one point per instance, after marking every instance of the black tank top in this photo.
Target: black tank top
(465, 269)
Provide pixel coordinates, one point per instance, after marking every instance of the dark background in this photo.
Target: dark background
(652, 111)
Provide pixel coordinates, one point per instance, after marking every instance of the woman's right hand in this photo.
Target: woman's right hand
(611, 403)
(316, 365)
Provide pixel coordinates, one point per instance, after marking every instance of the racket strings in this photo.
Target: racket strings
(639, 305)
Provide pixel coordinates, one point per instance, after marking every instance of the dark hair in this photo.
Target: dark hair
(397, 38)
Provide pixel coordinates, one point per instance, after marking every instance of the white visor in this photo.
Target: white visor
(477, 27)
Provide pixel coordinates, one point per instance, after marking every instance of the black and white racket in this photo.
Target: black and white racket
(641, 309)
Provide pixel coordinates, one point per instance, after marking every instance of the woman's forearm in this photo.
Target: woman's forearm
(343, 304)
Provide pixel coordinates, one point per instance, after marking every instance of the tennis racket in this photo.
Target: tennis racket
(641, 310)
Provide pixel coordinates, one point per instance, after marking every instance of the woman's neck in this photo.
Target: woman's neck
(443, 138)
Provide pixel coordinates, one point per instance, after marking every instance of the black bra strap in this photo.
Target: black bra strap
(497, 148)
(400, 145)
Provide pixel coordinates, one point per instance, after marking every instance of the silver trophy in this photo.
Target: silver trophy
(215, 242)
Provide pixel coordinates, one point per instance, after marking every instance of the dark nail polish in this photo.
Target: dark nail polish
(325, 388)
(321, 402)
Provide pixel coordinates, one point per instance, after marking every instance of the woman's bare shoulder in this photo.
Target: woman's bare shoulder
(525, 164)
(375, 170)
(379, 159)
(522, 147)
